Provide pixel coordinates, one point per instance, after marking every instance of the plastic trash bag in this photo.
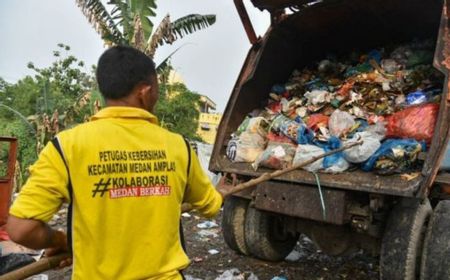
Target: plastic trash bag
(276, 156)
(334, 163)
(306, 152)
(279, 89)
(331, 144)
(416, 122)
(390, 66)
(317, 97)
(245, 148)
(445, 163)
(378, 130)
(363, 152)
(394, 156)
(254, 125)
(416, 97)
(317, 120)
(273, 137)
(204, 152)
(339, 166)
(296, 131)
(340, 123)
(423, 96)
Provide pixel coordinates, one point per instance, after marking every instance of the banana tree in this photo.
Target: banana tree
(129, 23)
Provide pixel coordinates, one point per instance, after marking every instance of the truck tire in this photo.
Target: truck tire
(402, 240)
(233, 222)
(436, 250)
(265, 237)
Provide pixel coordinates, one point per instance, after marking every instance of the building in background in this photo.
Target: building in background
(208, 122)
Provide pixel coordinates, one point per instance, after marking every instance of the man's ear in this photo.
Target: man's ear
(143, 90)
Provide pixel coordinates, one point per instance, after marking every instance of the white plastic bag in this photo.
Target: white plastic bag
(277, 155)
(363, 152)
(338, 167)
(306, 152)
(245, 148)
(340, 123)
(254, 125)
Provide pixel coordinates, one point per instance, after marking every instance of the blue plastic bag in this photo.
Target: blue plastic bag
(279, 89)
(317, 84)
(332, 144)
(387, 149)
(304, 135)
(416, 97)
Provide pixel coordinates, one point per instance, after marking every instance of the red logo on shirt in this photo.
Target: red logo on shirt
(139, 192)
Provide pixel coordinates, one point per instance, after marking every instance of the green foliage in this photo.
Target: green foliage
(129, 22)
(35, 108)
(64, 80)
(22, 96)
(177, 110)
(101, 20)
(191, 23)
(27, 152)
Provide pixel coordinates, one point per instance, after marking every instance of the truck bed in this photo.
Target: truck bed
(351, 180)
(337, 27)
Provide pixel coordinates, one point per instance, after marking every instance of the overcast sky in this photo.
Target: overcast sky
(209, 62)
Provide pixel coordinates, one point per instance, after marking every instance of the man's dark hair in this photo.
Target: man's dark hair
(120, 69)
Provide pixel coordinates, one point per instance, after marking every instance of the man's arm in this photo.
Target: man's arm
(35, 234)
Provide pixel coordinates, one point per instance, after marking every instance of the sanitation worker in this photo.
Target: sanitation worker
(125, 178)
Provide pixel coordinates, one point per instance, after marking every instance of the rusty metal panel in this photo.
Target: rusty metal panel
(6, 182)
(301, 201)
(442, 130)
(246, 21)
(279, 4)
(356, 180)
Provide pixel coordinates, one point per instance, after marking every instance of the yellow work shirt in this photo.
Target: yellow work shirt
(129, 179)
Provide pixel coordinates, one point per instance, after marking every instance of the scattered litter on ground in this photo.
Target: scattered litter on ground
(38, 277)
(189, 277)
(295, 256)
(207, 224)
(213, 251)
(14, 261)
(235, 274)
(279, 278)
(197, 259)
(214, 233)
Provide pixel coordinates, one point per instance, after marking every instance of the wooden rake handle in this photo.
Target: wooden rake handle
(42, 265)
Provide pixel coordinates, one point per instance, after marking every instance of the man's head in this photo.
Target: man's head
(127, 77)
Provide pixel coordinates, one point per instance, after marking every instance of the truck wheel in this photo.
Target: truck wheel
(436, 250)
(402, 240)
(265, 236)
(233, 221)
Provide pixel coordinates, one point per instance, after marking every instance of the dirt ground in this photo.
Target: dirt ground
(308, 262)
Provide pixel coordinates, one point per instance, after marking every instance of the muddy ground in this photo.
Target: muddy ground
(308, 262)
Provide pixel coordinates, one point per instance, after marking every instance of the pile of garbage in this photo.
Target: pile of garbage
(390, 100)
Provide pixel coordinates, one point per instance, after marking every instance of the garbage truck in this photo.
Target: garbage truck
(404, 221)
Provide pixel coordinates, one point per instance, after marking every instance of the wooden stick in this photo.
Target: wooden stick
(42, 265)
(267, 176)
